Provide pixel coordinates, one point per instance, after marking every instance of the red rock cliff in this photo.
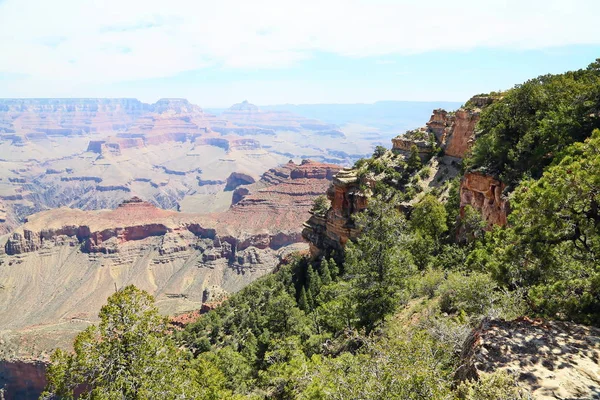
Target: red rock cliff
(454, 132)
(332, 231)
(484, 193)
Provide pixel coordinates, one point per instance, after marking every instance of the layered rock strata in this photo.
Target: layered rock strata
(454, 132)
(331, 232)
(57, 270)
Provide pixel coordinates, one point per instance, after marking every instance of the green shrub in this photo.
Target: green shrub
(473, 294)
(320, 205)
(426, 284)
(499, 385)
(425, 172)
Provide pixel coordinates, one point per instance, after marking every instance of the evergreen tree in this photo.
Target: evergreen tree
(127, 356)
(313, 281)
(429, 218)
(414, 161)
(378, 262)
(325, 273)
(334, 269)
(310, 300)
(303, 300)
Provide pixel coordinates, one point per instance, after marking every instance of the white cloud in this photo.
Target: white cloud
(73, 42)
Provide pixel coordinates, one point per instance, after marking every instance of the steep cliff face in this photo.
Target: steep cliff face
(555, 360)
(461, 133)
(332, 231)
(237, 179)
(453, 132)
(484, 193)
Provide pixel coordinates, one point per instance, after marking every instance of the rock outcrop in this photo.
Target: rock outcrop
(402, 145)
(485, 194)
(453, 132)
(553, 360)
(237, 179)
(331, 232)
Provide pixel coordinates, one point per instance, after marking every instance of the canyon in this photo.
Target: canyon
(58, 268)
(177, 202)
(95, 153)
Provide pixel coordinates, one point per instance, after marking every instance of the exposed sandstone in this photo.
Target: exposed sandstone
(403, 145)
(461, 133)
(331, 232)
(454, 132)
(553, 360)
(485, 194)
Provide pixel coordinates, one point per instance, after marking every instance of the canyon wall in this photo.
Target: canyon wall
(22, 380)
(485, 194)
(227, 248)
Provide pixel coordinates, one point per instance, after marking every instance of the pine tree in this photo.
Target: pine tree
(414, 161)
(128, 356)
(310, 300)
(378, 262)
(303, 300)
(313, 282)
(325, 273)
(250, 348)
(334, 269)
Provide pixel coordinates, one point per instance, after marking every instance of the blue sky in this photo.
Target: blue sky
(273, 52)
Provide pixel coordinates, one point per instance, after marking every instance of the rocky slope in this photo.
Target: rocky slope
(451, 136)
(553, 360)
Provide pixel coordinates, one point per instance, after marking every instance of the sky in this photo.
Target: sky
(219, 52)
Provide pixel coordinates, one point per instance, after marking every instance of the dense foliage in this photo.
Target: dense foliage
(129, 355)
(552, 246)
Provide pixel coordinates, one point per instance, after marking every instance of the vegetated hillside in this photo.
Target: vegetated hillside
(410, 293)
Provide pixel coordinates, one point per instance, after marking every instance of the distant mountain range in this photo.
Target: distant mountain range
(387, 116)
